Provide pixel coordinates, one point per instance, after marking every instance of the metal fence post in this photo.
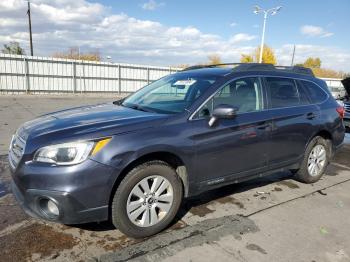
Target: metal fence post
(74, 77)
(26, 74)
(148, 80)
(119, 80)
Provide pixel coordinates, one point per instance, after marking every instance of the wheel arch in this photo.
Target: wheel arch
(324, 134)
(170, 158)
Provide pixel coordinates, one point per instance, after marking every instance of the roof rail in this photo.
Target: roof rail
(257, 67)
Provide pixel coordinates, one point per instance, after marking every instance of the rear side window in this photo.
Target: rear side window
(285, 93)
(315, 93)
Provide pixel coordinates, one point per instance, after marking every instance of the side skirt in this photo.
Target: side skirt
(236, 178)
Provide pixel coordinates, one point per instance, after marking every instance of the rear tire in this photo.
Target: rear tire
(315, 161)
(139, 209)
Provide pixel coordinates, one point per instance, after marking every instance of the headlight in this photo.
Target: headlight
(69, 153)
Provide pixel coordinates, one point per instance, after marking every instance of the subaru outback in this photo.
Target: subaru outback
(133, 161)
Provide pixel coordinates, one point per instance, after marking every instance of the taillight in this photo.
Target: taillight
(341, 111)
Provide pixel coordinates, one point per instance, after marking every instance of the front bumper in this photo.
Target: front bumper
(80, 192)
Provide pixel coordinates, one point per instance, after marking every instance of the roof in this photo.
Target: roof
(214, 71)
(243, 67)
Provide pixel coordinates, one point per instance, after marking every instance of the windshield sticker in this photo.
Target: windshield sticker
(187, 82)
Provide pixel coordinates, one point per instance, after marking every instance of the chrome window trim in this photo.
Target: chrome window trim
(267, 109)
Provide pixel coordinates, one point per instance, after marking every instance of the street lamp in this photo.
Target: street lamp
(272, 11)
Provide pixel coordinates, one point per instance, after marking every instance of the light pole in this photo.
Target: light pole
(271, 11)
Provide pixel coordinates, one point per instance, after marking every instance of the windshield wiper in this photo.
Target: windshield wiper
(136, 107)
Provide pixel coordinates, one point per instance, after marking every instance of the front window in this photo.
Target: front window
(245, 94)
(171, 94)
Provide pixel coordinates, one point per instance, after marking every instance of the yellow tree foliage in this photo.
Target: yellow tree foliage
(328, 73)
(312, 62)
(73, 53)
(246, 58)
(268, 56)
(214, 59)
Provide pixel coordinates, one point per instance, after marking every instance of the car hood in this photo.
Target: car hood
(346, 84)
(100, 118)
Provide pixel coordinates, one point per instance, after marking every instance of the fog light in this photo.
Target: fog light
(52, 208)
(49, 208)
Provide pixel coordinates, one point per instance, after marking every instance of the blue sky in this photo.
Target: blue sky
(216, 17)
(165, 32)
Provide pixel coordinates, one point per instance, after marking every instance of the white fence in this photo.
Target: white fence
(26, 74)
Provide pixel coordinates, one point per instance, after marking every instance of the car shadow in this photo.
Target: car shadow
(225, 191)
(201, 199)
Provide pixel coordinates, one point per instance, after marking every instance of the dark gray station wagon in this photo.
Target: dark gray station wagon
(134, 160)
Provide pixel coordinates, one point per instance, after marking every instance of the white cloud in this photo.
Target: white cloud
(241, 38)
(152, 5)
(314, 31)
(331, 56)
(60, 24)
(233, 24)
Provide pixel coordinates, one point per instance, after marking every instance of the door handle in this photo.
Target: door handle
(311, 116)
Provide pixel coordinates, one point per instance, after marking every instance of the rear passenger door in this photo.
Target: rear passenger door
(294, 118)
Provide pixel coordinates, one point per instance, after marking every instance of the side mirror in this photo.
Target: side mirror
(223, 112)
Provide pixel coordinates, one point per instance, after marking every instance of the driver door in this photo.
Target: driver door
(237, 147)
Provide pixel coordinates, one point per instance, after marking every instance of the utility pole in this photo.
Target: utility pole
(30, 29)
(293, 56)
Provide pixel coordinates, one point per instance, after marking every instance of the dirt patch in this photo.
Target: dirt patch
(288, 184)
(277, 189)
(201, 210)
(34, 239)
(231, 200)
(255, 247)
(5, 176)
(119, 243)
(10, 212)
(178, 225)
(4, 189)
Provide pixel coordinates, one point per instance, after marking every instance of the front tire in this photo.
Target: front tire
(147, 199)
(315, 161)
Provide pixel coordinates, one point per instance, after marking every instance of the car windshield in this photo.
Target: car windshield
(171, 94)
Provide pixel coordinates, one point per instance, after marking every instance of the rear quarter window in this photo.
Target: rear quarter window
(315, 93)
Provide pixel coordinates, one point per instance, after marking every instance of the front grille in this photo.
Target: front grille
(16, 151)
(347, 107)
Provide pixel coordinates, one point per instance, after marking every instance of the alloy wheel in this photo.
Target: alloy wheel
(150, 201)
